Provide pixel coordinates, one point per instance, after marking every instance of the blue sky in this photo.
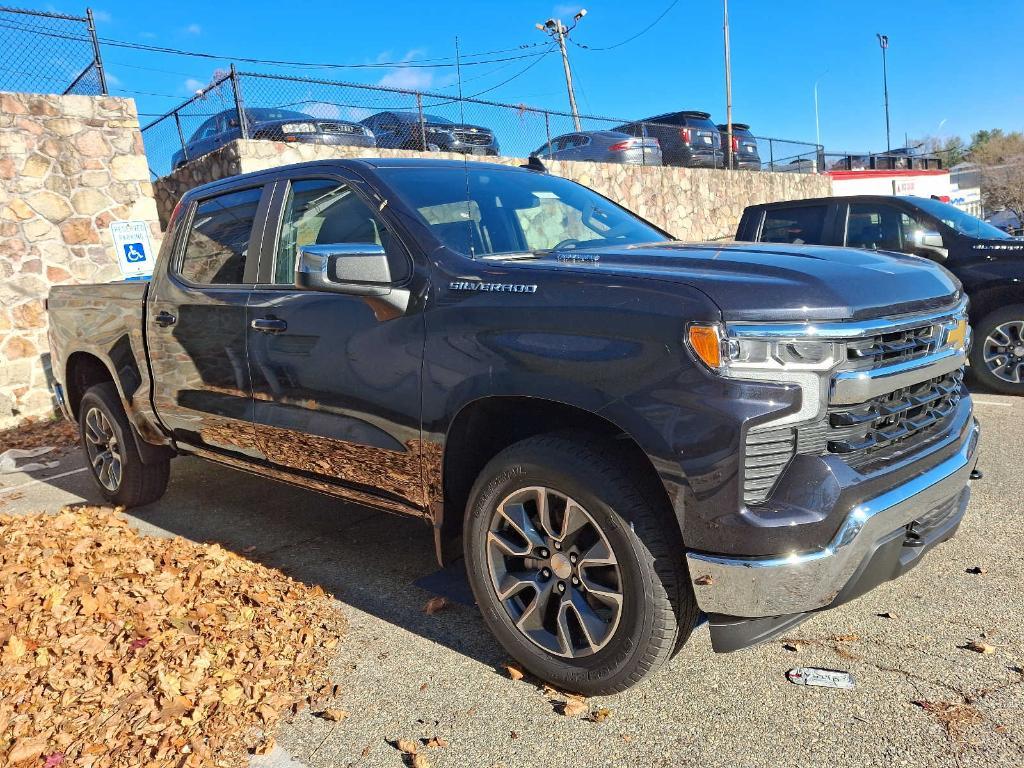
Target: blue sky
(953, 66)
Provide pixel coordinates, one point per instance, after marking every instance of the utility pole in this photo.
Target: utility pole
(883, 41)
(728, 88)
(558, 31)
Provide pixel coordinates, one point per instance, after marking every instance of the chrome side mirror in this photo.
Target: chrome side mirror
(929, 243)
(357, 269)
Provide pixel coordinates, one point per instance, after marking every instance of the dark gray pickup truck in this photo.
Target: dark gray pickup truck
(618, 432)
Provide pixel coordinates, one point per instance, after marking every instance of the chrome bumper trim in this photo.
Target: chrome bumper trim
(851, 387)
(758, 587)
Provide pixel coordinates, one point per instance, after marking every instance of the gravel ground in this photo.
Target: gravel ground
(407, 675)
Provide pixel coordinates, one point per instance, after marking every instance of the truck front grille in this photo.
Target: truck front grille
(895, 347)
(477, 138)
(864, 433)
(339, 128)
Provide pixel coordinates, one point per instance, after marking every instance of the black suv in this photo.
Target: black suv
(744, 147)
(430, 133)
(988, 261)
(687, 138)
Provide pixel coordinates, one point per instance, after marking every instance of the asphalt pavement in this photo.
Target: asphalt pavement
(921, 697)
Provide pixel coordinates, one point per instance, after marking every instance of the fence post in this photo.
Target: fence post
(547, 130)
(97, 58)
(243, 123)
(181, 137)
(423, 125)
(771, 155)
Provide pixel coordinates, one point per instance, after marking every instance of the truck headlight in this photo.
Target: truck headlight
(807, 363)
(298, 128)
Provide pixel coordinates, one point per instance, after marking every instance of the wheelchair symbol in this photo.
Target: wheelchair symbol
(133, 253)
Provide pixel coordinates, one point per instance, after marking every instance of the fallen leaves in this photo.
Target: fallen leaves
(513, 672)
(979, 646)
(599, 715)
(574, 707)
(119, 649)
(407, 746)
(434, 605)
(955, 718)
(59, 433)
(334, 715)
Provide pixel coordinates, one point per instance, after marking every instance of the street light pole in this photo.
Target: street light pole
(558, 31)
(728, 87)
(883, 41)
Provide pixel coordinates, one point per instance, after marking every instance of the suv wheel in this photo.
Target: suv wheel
(997, 354)
(576, 572)
(112, 452)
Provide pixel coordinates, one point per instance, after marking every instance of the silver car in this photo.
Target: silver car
(602, 147)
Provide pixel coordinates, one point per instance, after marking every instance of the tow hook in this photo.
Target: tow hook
(977, 474)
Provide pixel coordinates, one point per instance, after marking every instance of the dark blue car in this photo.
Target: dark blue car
(430, 133)
(273, 125)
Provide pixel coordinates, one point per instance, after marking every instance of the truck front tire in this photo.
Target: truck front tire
(997, 352)
(577, 572)
(112, 451)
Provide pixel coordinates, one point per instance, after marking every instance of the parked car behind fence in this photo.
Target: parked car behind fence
(273, 125)
(688, 138)
(430, 133)
(743, 147)
(602, 147)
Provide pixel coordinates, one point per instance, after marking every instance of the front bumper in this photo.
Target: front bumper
(800, 582)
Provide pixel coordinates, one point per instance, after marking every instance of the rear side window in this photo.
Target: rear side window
(799, 224)
(218, 241)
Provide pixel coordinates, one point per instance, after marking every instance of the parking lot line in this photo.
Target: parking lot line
(42, 480)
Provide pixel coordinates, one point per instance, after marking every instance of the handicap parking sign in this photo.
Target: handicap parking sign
(133, 249)
(134, 253)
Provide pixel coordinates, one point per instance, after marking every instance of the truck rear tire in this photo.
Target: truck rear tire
(577, 572)
(997, 353)
(112, 452)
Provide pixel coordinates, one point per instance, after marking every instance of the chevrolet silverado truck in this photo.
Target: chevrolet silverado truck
(988, 262)
(619, 433)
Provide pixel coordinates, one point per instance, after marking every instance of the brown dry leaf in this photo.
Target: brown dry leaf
(704, 581)
(419, 760)
(407, 746)
(599, 715)
(127, 650)
(334, 715)
(265, 747)
(434, 605)
(979, 646)
(366, 750)
(514, 672)
(26, 749)
(574, 707)
(846, 638)
(791, 646)
(437, 741)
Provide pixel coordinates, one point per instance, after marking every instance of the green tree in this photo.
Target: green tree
(1001, 157)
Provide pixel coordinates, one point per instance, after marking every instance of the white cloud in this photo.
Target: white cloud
(409, 78)
(194, 29)
(192, 85)
(103, 16)
(112, 79)
(565, 12)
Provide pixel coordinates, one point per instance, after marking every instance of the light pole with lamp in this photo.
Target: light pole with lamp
(558, 31)
(883, 41)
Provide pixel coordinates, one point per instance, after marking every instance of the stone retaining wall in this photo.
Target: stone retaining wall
(69, 165)
(692, 203)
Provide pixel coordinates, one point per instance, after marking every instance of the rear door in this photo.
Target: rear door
(336, 376)
(797, 224)
(196, 316)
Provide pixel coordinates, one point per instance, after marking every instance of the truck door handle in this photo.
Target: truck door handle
(164, 319)
(269, 325)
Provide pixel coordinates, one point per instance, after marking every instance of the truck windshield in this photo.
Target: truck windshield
(962, 222)
(491, 211)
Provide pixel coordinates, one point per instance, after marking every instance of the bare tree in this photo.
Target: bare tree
(1001, 157)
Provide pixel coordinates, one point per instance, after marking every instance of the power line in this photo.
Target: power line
(438, 62)
(643, 31)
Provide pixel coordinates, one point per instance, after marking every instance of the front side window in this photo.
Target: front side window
(497, 211)
(796, 224)
(218, 240)
(960, 221)
(882, 227)
(326, 212)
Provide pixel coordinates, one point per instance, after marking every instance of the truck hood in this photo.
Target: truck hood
(769, 282)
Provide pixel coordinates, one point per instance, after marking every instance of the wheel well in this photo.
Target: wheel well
(990, 299)
(486, 427)
(83, 371)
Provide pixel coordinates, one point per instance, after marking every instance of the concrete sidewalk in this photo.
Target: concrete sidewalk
(404, 674)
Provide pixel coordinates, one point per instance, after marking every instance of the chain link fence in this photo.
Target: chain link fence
(46, 52)
(282, 108)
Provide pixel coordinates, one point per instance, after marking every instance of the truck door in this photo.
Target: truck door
(336, 376)
(196, 323)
